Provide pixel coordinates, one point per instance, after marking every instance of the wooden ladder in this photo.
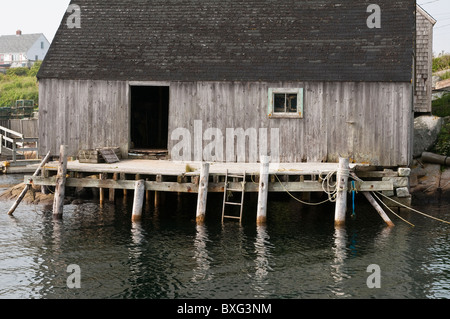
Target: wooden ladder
(226, 193)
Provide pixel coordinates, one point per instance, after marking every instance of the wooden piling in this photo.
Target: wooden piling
(147, 193)
(263, 192)
(112, 191)
(158, 194)
(378, 208)
(44, 174)
(138, 202)
(58, 201)
(102, 176)
(202, 193)
(124, 177)
(341, 195)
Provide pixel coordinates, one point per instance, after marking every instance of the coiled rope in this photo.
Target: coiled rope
(327, 186)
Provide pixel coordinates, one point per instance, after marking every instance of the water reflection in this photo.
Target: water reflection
(137, 237)
(167, 256)
(338, 265)
(382, 239)
(201, 256)
(136, 253)
(262, 266)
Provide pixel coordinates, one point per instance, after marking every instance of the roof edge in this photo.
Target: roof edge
(426, 14)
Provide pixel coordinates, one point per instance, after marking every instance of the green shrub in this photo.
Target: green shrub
(17, 71)
(443, 142)
(445, 76)
(441, 107)
(441, 63)
(19, 84)
(34, 69)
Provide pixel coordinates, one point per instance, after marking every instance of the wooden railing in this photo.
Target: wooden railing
(14, 143)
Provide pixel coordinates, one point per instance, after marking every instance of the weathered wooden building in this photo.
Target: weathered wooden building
(331, 78)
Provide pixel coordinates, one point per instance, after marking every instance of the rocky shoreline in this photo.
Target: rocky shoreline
(429, 183)
(33, 196)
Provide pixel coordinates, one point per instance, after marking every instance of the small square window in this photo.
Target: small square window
(286, 103)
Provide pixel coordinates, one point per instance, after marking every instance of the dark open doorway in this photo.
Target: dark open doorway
(149, 118)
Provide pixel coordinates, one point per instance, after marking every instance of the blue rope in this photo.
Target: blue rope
(353, 198)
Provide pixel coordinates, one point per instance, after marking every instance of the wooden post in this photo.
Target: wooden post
(27, 187)
(14, 149)
(138, 202)
(112, 191)
(157, 194)
(341, 196)
(261, 215)
(44, 188)
(378, 208)
(58, 201)
(147, 194)
(102, 176)
(124, 177)
(202, 193)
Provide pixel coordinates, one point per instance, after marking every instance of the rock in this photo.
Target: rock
(444, 183)
(427, 178)
(33, 196)
(435, 79)
(397, 181)
(430, 184)
(404, 171)
(426, 130)
(402, 192)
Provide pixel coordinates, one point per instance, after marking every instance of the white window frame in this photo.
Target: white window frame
(277, 115)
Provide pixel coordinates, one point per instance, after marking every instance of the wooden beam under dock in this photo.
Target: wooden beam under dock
(188, 187)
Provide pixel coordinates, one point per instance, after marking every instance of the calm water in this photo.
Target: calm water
(298, 254)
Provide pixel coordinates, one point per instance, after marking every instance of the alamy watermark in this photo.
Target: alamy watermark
(74, 19)
(232, 145)
(373, 21)
(374, 279)
(74, 279)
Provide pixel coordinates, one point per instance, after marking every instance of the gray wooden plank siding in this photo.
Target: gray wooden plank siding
(83, 115)
(368, 121)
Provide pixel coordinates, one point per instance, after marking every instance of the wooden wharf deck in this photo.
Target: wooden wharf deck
(170, 176)
(144, 176)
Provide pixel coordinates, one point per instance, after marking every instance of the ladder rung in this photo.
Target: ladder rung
(235, 217)
(237, 176)
(233, 203)
(235, 189)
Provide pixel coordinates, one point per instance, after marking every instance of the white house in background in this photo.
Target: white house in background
(22, 50)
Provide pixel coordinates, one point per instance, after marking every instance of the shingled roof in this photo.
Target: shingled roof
(234, 40)
(18, 43)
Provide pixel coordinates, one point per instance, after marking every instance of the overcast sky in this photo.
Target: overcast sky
(44, 16)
